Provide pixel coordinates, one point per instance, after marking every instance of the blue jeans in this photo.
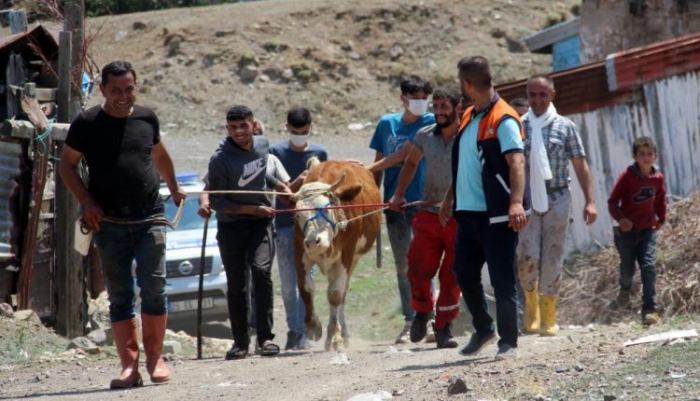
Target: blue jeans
(398, 226)
(638, 246)
(479, 242)
(293, 304)
(118, 245)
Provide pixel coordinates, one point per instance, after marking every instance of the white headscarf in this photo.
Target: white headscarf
(540, 170)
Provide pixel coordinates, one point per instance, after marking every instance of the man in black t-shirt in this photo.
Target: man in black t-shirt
(121, 144)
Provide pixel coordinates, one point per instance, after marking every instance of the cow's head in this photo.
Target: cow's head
(321, 225)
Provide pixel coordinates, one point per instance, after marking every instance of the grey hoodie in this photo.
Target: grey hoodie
(233, 168)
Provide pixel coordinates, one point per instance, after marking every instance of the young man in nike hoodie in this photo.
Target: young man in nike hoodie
(245, 228)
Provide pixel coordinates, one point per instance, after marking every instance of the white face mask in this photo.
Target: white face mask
(298, 140)
(417, 107)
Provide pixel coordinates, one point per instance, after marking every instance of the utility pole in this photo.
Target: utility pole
(69, 263)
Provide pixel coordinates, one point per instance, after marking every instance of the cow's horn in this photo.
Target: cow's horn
(337, 183)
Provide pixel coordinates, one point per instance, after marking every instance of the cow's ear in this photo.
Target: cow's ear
(349, 192)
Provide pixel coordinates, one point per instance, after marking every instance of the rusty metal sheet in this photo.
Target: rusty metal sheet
(578, 90)
(10, 166)
(619, 78)
(635, 67)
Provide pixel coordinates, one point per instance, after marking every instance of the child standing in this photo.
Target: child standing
(638, 204)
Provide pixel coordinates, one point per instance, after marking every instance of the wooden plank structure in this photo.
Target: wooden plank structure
(50, 277)
(31, 250)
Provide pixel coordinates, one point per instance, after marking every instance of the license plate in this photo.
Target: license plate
(190, 304)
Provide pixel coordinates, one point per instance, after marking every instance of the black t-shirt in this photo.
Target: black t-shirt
(118, 151)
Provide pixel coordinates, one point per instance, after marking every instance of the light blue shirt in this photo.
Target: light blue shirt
(389, 137)
(470, 187)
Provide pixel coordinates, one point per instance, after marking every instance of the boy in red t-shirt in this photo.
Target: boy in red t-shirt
(638, 204)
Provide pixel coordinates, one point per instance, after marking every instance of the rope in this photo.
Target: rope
(344, 223)
(150, 220)
(41, 146)
(320, 214)
(240, 192)
(383, 206)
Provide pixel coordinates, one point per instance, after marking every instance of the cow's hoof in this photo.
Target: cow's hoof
(328, 344)
(314, 330)
(339, 345)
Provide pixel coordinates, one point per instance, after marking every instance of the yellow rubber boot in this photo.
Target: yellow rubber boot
(531, 320)
(548, 310)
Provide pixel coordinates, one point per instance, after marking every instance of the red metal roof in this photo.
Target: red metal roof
(635, 67)
(586, 88)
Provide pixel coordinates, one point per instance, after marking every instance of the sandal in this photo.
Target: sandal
(236, 352)
(268, 348)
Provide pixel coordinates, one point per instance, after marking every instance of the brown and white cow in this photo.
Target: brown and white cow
(322, 238)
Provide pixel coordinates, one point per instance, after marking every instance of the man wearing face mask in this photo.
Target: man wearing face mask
(432, 243)
(391, 142)
(293, 153)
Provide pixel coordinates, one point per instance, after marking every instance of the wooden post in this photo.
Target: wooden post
(74, 22)
(42, 152)
(64, 82)
(69, 264)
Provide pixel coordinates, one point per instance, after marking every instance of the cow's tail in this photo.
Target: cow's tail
(312, 164)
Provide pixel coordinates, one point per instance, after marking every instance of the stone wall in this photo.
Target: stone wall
(608, 26)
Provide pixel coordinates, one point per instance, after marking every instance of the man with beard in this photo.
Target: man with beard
(431, 241)
(487, 198)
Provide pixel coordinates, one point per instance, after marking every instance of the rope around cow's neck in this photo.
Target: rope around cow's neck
(174, 223)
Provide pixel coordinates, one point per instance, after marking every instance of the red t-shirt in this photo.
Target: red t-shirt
(639, 199)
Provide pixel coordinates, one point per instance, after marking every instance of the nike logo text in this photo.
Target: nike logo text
(250, 171)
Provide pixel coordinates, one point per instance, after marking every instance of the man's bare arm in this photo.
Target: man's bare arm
(165, 168)
(516, 213)
(393, 159)
(378, 174)
(583, 173)
(92, 212)
(408, 171)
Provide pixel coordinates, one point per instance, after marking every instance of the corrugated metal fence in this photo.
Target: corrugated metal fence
(9, 171)
(670, 113)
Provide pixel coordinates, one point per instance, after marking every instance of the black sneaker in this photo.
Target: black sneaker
(477, 342)
(419, 327)
(443, 337)
(292, 341)
(506, 351)
(623, 299)
(236, 352)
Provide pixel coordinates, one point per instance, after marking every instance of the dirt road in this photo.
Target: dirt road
(569, 362)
